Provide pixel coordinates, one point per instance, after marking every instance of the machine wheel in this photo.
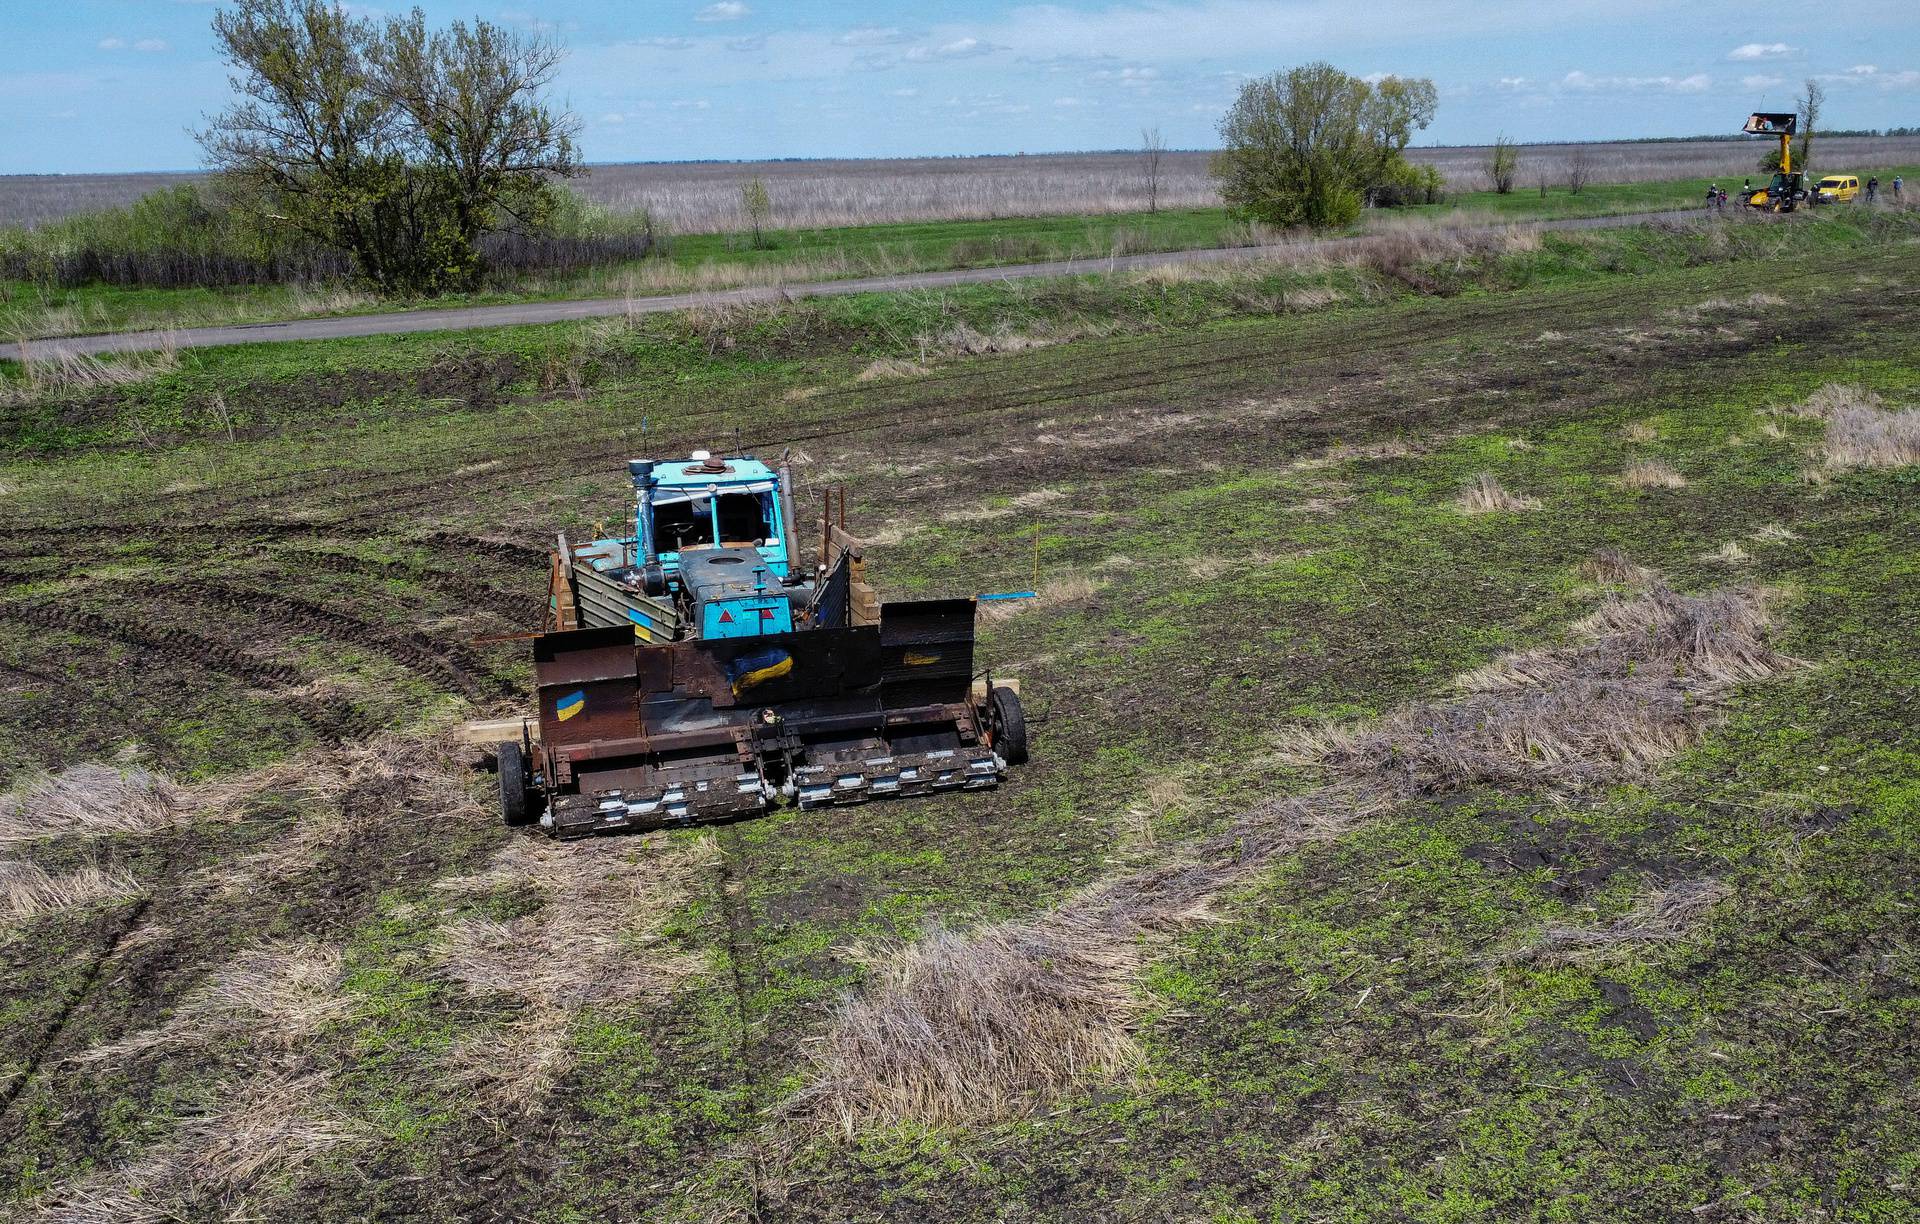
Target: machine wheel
(1008, 725)
(515, 785)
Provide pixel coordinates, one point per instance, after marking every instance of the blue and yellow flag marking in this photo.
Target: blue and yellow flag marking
(760, 667)
(571, 704)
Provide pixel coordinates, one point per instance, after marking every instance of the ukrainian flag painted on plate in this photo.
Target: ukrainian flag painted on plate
(571, 704)
(757, 668)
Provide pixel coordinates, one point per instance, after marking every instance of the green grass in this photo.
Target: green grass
(1347, 1039)
(717, 260)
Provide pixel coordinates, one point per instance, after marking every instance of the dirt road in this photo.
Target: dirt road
(399, 322)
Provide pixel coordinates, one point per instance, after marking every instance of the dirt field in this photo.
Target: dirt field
(313, 978)
(704, 197)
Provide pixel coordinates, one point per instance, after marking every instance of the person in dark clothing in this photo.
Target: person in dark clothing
(1873, 188)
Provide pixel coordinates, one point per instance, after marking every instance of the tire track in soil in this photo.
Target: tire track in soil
(427, 482)
(328, 723)
(738, 907)
(1512, 317)
(451, 664)
(515, 609)
(76, 999)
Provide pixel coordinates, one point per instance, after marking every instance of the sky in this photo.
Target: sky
(111, 85)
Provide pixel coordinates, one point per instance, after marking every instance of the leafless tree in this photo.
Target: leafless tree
(1810, 104)
(1152, 151)
(1503, 164)
(1579, 169)
(757, 204)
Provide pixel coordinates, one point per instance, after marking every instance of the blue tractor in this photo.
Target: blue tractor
(694, 670)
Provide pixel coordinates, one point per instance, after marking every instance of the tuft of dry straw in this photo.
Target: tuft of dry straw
(1652, 474)
(90, 800)
(1485, 495)
(892, 367)
(1661, 916)
(27, 891)
(1861, 430)
(957, 1027)
(1611, 567)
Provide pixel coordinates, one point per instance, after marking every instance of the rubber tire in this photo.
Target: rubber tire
(515, 807)
(1009, 725)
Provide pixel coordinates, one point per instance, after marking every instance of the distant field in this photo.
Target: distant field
(705, 197)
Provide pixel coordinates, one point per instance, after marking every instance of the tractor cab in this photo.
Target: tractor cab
(706, 503)
(711, 556)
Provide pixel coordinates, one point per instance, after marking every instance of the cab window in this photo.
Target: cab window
(678, 526)
(744, 517)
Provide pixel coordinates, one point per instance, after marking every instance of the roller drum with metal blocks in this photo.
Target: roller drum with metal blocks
(692, 671)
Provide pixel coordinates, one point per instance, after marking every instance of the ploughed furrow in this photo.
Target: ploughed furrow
(449, 663)
(521, 608)
(329, 722)
(1082, 370)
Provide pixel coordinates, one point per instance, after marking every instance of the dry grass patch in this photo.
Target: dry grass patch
(892, 367)
(274, 998)
(1485, 495)
(1775, 533)
(593, 942)
(48, 369)
(1055, 593)
(953, 1028)
(1611, 567)
(1660, 917)
(344, 792)
(1640, 431)
(89, 800)
(1652, 474)
(1861, 430)
(270, 1127)
(1729, 553)
(27, 891)
(957, 1028)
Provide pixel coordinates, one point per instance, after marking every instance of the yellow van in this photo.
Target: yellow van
(1838, 188)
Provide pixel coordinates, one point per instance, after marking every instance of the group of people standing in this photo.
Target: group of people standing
(1717, 195)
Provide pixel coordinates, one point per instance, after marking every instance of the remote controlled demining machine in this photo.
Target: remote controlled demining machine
(693, 670)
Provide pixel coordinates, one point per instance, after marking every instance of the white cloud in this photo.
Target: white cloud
(1131, 77)
(1374, 78)
(1068, 103)
(726, 10)
(909, 92)
(1761, 82)
(752, 42)
(872, 36)
(693, 104)
(144, 44)
(1862, 70)
(151, 44)
(613, 117)
(665, 43)
(1513, 82)
(1761, 51)
(1699, 82)
(112, 44)
(959, 48)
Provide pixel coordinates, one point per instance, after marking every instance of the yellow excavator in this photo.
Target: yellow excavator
(1788, 187)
